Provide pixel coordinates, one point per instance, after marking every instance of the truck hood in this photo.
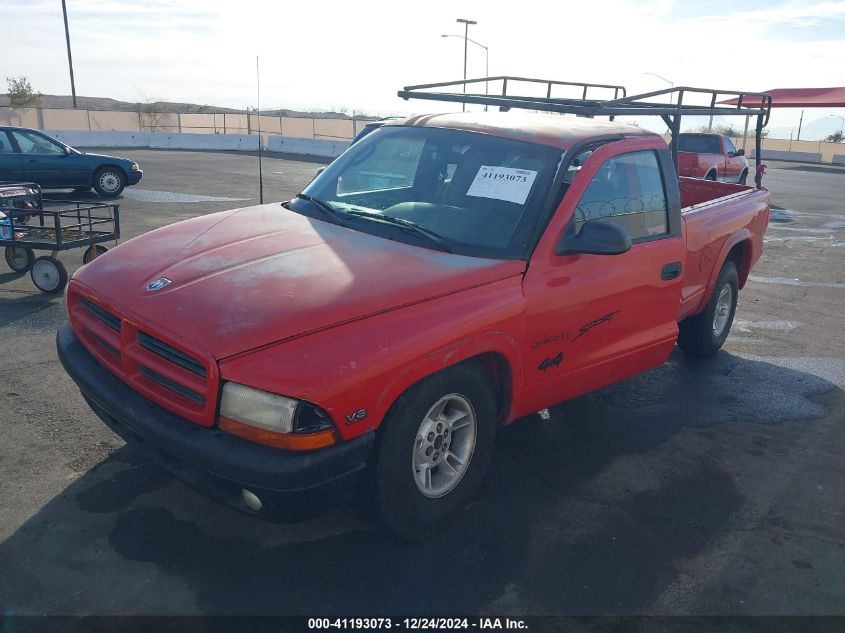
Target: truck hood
(249, 277)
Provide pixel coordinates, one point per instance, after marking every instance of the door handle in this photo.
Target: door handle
(670, 271)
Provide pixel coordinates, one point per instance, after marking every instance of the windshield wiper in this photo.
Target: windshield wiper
(416, 228)
(325, 207)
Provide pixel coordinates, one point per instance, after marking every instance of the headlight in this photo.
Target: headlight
(273, 420)
(136, 167)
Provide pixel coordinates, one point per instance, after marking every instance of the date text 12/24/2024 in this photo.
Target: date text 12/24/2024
(413, 624)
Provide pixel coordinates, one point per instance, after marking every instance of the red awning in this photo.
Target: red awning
(800, 98)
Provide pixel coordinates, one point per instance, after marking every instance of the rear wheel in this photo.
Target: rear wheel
(19, 258)
(109, 182)
(49, 274)
(705, 333)
(433, 450)
(93, 252)
(711, 175)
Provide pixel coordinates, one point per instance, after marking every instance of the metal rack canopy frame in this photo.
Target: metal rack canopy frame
(667, 103)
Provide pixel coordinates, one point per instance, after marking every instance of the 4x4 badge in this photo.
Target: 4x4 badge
(158, 284)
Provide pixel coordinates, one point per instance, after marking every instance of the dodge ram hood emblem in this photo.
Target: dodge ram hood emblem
(158, 284)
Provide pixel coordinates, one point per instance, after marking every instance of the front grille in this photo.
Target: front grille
(168, 352)
(181, 382)
(102, 315)
(111, 349)
(173, 386)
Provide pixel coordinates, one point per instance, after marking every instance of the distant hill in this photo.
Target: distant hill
(103, 103)
(816, 130)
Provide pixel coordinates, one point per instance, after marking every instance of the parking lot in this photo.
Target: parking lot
(705, 486)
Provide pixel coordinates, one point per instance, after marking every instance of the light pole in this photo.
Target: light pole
(486, 61)
(69, 58)
(671, 85)
(841, 127)
(466, 24)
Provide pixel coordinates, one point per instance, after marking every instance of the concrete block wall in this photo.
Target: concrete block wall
(158, 140)
(228, 142)
(307, 146)
(803, 157)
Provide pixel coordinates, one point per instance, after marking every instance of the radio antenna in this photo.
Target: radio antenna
(258, 111)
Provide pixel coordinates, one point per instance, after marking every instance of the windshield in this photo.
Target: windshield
(472, 193)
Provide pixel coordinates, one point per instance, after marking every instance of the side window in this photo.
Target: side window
(729, 146)
(5, 144)
(393, 164)
(31, 143)
(627, 190)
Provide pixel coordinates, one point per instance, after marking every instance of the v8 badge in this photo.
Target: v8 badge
(356, 416)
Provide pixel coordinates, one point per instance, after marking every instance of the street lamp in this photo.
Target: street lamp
(662, 78)
(486, 62)
(466, 24)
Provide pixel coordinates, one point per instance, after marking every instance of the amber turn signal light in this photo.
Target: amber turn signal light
(287, 441)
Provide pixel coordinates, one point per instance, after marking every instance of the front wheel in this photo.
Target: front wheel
(109, 182)
(49, 275)
(433, 450)
(705, 333)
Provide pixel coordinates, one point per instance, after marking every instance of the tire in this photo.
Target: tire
(409, 437)
(93, 252)
(109, 181)
(19, 259)
(49, 275)
(743, 177)
(705, 333)
(710, 175)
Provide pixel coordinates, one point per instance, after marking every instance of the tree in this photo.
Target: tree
(21, 94)
(150, 114)
(836, 137)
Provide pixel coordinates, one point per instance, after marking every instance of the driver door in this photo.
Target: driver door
(593, 320)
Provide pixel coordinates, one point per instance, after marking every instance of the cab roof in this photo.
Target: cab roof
(547, 129)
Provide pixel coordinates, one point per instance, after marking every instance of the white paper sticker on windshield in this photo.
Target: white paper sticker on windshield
(502, 183)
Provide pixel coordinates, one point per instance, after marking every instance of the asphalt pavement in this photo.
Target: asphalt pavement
(702, 487)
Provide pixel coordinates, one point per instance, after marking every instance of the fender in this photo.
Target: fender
(500, 343)
(737, 237)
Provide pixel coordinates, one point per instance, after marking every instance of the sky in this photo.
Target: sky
(355, 55)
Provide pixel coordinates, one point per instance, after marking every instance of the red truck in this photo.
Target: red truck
(448, 274)
(711, 157)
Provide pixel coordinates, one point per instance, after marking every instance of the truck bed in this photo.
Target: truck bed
(714, 213)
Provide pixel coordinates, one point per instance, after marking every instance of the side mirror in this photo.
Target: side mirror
(740, 152)
(597, 237)
(319, 171)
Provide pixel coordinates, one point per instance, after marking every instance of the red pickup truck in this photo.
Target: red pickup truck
(448, 274)
(712, 157)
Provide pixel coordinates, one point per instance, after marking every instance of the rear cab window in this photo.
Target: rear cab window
(699, 143)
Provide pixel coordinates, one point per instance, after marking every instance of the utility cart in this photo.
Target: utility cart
(26, 226)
